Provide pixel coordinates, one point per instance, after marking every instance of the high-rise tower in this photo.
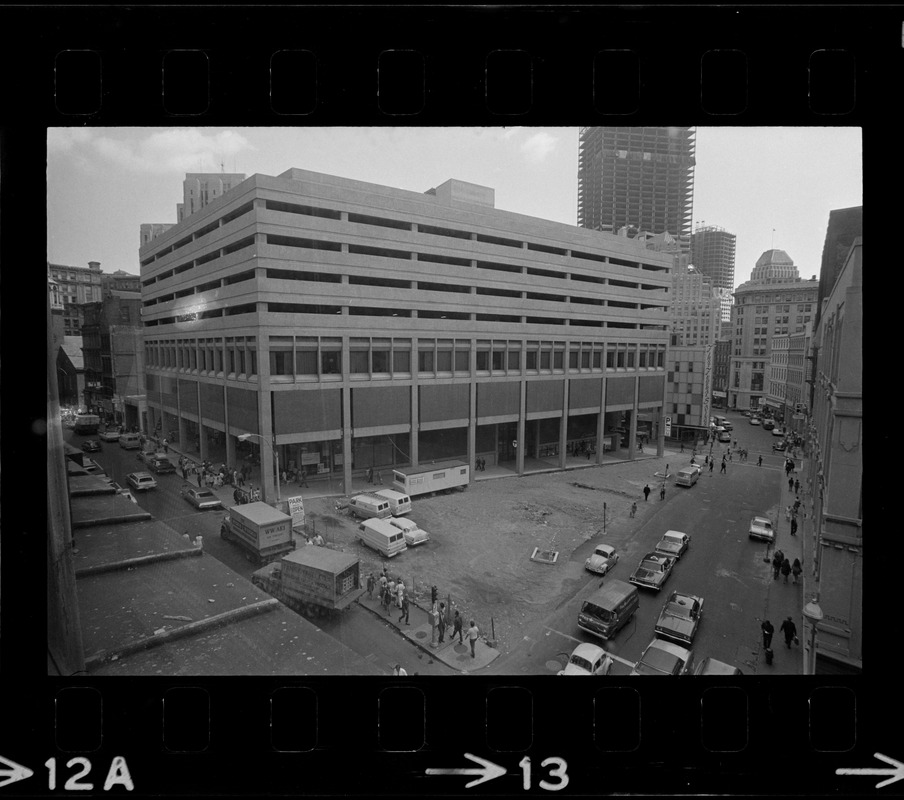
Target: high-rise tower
(640, 178)
(713, 254)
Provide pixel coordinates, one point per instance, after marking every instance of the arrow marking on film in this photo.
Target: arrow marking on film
(897, 773)
(16, 772)
(487, 771)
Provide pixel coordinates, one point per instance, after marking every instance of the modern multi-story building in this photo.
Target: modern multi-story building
(689, 391)
(713, 254)
(351, 325)
(639, 178)
(774, 302)
(113, 351)
(695, 309)
(72, 287)
(835, 449)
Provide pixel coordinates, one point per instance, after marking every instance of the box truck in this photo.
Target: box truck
(264, 533)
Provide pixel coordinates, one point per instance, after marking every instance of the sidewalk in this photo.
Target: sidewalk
(419, 633)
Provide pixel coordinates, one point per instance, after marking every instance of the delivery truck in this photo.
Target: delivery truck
(313, 580)
(441, 476)
(264, 533)
(86, 424)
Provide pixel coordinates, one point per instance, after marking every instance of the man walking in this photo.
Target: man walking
(646, 492)
(633, 509)
(404, 610)
(796, 486)
(474, 632)
(370, 584)
(662, 492)
(790, 630)
(724, 465)
(768, 630)
(456, 628)
(793, 526)
(786, 569)
(777, 559)
(712, 463)
(790, 483)
(759, 461)
(441, 622)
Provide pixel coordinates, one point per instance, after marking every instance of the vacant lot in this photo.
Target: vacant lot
(482, 539)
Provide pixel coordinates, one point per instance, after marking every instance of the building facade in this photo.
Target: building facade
(774, 302)
(689, 391)
(201, 188)
(695, 309)
(789, 379)
(113, 351)
(713, 254)
(353, 326)
(835, 450)
(639, 178)
(72, 287)
(721, 371)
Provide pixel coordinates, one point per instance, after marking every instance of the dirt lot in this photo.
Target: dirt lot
(482, 539)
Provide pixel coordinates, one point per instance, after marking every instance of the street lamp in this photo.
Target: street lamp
(813, 614)
(243, 437)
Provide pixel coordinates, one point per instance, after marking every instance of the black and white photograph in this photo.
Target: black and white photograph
(455, 401)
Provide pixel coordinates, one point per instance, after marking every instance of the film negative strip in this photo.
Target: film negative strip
(168, 663)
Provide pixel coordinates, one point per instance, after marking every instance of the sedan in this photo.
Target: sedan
(754, 420)
(652, 571)
(201, 498)
(588, 659)
(778, 431)
(780, 447)
(712, 666)
(761, 528)
(674, 544)
(664, 658)
(680, 618)
(602, 559)
(141, 481)
(413, 534)
(91, 446)
(111, 434)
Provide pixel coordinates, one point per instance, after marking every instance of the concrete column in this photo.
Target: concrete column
(600, 422)
(632, 428)
(519, 452)
(472, 424)
(347, 439)
(563, 425)
(202, 438)
(415, 418)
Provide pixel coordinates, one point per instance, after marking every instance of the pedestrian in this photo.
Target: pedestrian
(384, 599)
(796, 486)
(777, 559)
(768, 630)
(646, 492)
(712, 463)
(199, 478)
(400, 592)
(662, 492)
(790, 483)
(236, 497)
(633, 509)
(759, 461)
(380, 478)
(793, 526)
(399, 671)
(303, 479)
(318, 540)
(705, 460)
(730, 455)
(165, 445)
(392, 590)
(473, 633)
(404, 610)
(723, 467)
(456, 627)
(796, 569)
(371, 582)
(790, 630)
(441, 622)
(786, 569)
(369, 473)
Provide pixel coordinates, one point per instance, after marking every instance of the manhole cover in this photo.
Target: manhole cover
(421, 634)
(545, 556)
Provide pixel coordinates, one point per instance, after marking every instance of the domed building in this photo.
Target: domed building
(775, 302)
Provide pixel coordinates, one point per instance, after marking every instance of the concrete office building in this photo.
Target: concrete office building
(640, 178)
(834, 574)
(199, 189)
(713, 254)
(352, 325)
(774, 302)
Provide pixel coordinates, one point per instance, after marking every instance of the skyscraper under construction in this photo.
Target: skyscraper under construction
(639, 178)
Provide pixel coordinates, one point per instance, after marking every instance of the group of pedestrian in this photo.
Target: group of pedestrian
(480, 464)
(373, 477)
(781, 564)
(788, 628)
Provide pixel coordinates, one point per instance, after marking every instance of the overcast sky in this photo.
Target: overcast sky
(102, 183)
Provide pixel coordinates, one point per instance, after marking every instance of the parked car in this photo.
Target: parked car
(778, 431)
(674, 544)
(588, 659)
(92, 467)
(761, 528)
(664, 658)
(712, 666)
(414, 535)
(141, 481)
(91, 446)
(768, 424)
(602, 559)
(652, 571)
(201, 498)
(728, 426)
(680, 617)
(780, 446)
(746, 413)
(111, 433)
(754, 420)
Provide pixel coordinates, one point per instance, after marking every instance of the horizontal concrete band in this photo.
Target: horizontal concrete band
(193, 628)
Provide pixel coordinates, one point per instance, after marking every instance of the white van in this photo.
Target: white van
(370, 505)
(687, 476)
(382, 537)
(130, 441)
(398, 502)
